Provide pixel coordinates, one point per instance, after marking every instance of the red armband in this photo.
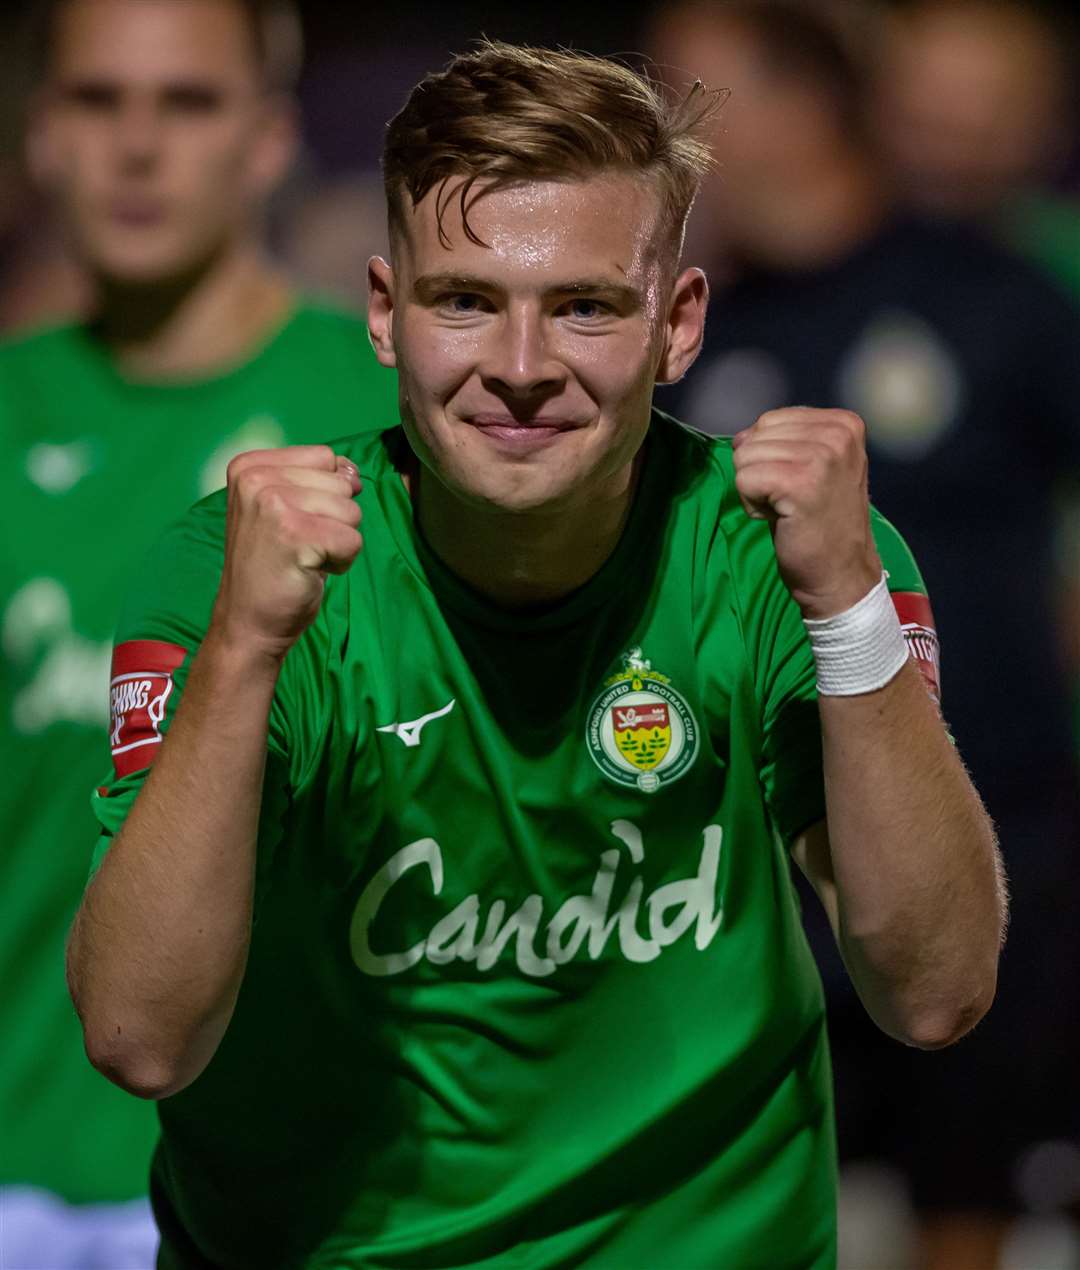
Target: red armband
(917, 623)
(142, 682)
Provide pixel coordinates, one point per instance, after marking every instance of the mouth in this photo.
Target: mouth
(506, 430)
(133, 214)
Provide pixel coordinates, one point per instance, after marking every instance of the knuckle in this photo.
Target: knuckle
(252, 480)
(239, 463)
(834, 439)
(242, 465)
(821, 453)
(273, 500)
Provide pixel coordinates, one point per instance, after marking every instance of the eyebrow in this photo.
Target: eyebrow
(429, 285)
(99, 87)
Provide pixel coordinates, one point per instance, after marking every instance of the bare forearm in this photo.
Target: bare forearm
(919, 896)
(158, 948)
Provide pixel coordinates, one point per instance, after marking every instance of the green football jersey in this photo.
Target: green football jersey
(527, 984)
(93, 469)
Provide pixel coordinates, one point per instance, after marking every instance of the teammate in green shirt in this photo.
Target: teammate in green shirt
(452, 923)
(161, 133)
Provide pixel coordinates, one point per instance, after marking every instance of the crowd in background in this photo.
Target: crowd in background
(893, 226)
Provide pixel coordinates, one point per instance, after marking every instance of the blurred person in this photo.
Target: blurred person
(962, 359)
(976, 110)
(332, 231)
(159, 128)
(485, 814)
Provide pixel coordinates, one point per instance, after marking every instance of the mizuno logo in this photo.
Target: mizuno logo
(409, 732)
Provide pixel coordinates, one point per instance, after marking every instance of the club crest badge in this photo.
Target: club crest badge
(641, 733)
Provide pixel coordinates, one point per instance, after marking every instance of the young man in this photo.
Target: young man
(161, 127)
(453, 924)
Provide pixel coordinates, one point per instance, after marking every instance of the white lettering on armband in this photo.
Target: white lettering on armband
(859, 650)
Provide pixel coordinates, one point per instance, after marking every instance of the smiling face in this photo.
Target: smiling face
(154, 132)
(527, 361)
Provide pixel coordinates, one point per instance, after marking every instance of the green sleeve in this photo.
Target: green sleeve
(791, 763)
(896, 558)
(791, 769)
(170, 601)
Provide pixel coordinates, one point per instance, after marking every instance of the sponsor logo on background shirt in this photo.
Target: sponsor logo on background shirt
(59, 676)
(263, 432)
(57, 468)
(729, 391)
(906, 383)
(142, 682)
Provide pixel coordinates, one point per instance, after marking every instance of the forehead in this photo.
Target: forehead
(1003, 45)
(607, 225)
(148, 40)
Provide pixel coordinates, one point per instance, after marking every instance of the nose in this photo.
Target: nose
(138, 134)
(519, 361)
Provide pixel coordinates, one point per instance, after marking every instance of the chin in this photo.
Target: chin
(520, 498)
(131, 260)
(143, 273)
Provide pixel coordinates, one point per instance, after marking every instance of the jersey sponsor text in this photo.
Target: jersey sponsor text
(580, 922)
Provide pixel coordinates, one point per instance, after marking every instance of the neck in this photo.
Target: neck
(206, 321)
(818, 217)
(524, 560)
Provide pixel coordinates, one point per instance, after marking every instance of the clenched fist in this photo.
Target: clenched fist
(805, 471)
(292, 519)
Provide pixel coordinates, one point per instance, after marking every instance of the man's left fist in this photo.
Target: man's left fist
(804, 471)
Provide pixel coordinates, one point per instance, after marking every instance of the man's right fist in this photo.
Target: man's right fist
(292, 519)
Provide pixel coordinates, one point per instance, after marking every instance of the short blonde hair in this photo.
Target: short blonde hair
(503, 114)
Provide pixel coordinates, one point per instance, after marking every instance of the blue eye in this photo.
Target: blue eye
(463, 302)
(585, 310)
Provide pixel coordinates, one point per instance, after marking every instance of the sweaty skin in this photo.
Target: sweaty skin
(527, 367)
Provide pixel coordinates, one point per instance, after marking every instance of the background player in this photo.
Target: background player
(525, 970)
(961, 358)
(160, 127)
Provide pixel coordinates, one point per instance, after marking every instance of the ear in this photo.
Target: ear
(685, 326)
(276, 144)
(381, 310)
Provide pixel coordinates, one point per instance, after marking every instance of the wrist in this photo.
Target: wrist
(822, 606)
(860, 649)
(236, 654)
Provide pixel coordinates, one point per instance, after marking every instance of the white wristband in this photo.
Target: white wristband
(859, 650)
